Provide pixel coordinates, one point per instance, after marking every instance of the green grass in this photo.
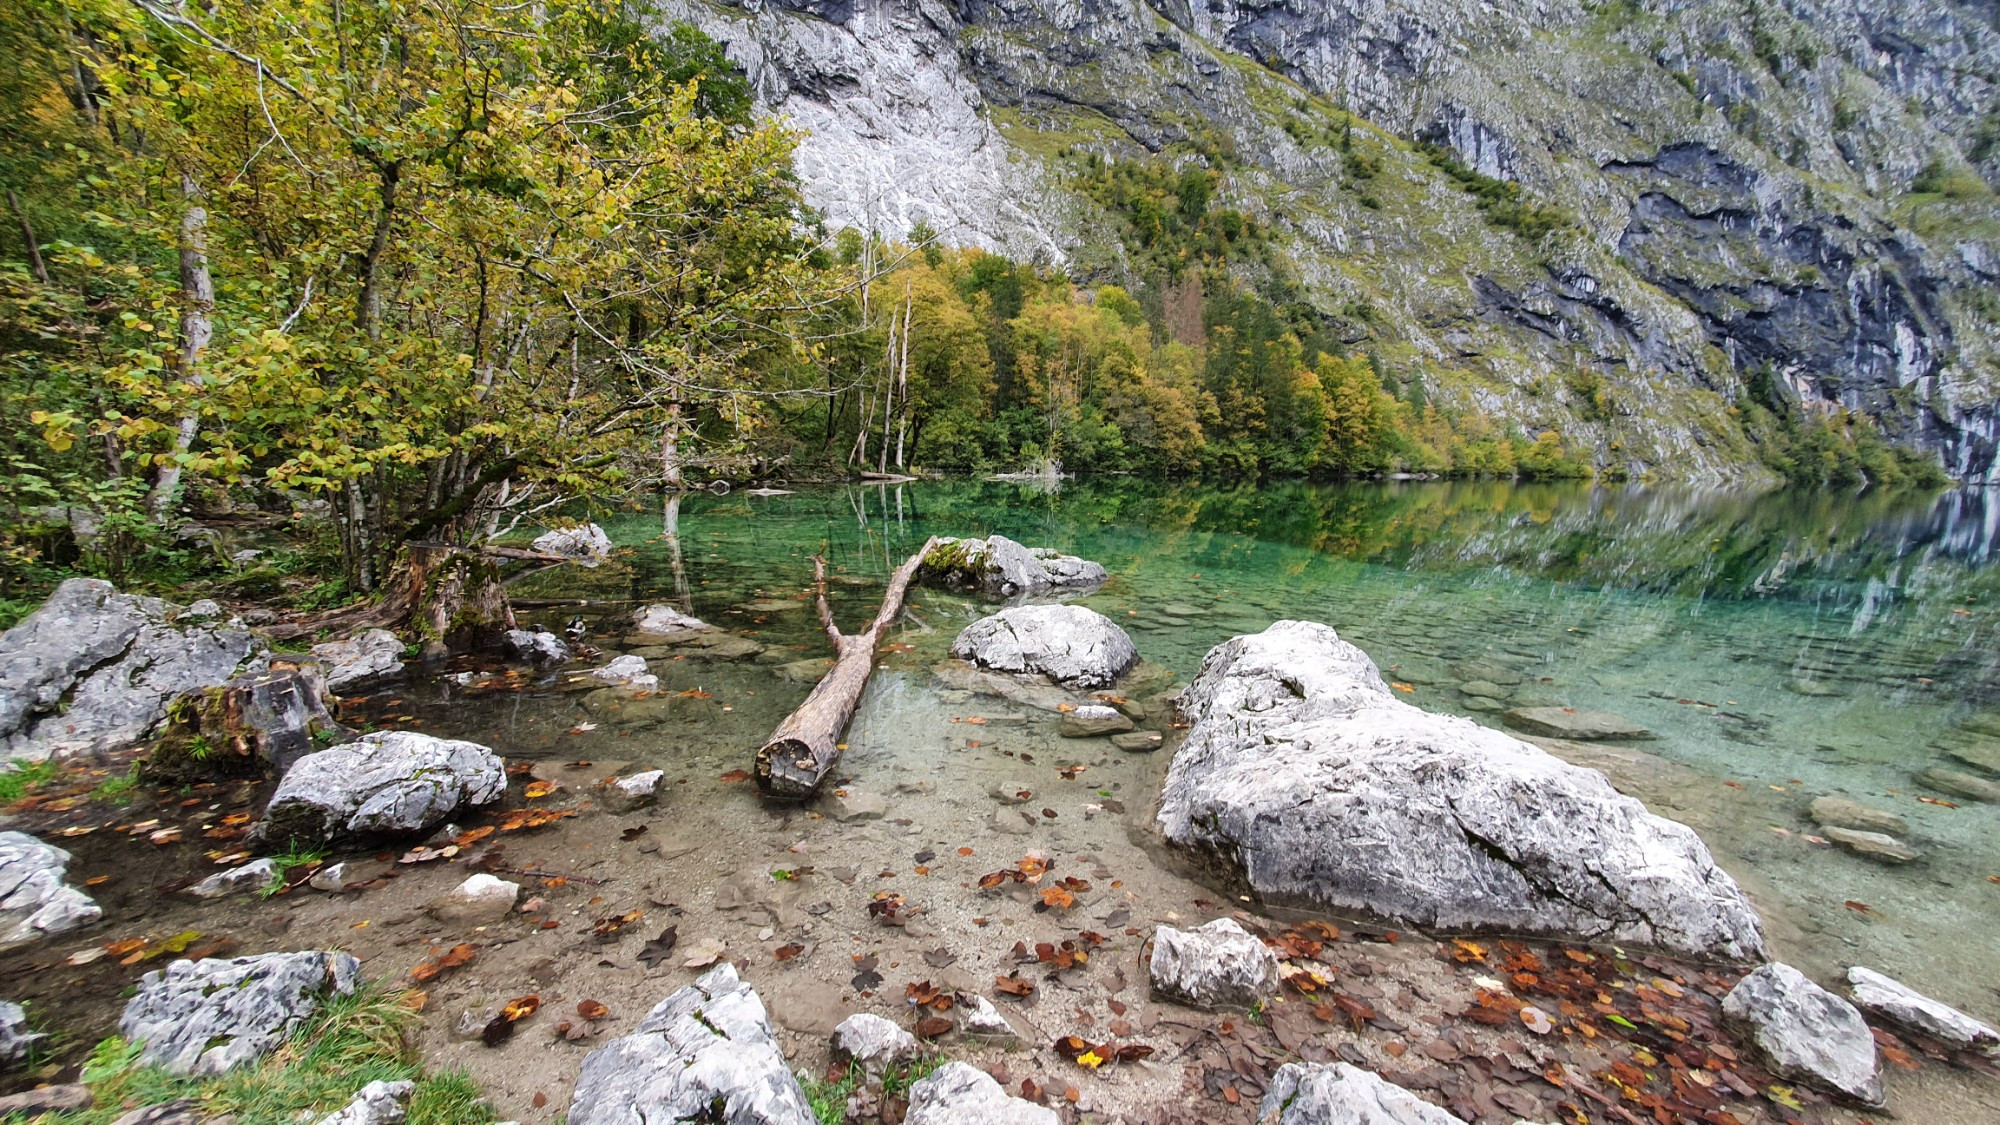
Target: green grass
(285, 861)
(354, 1040)
(828, 1096)
(117, 790)
(17, 779)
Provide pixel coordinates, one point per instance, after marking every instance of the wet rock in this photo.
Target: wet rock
(706, 1052)
(252, 876)
(15, 1037)
(1339, 1094)
(1574, 723)
(802, 671)
(366, 658)
(665, 620)
(635, 791)
(1873, 845)
(1897, 1003)
(981, 1020)
(1806, 1033)
(1069, 644)
(998, 565)
(627, 670)
(206, 1017)
(1012, 822)
(720, 647)
(872, 1041)
(1216, 966)
(1034, 692)
(331, 879)
(387, 782)
(34, 900)
(848, 805)
(1092, 720)
(1489, 671)
(94, 670)
(1839, 812)
(1482, 689)
(586, 543)
(378, 1103)
(959, 1093)
(1302, 769)
(1982, 755)
(48, 1099)
(538, 646)
(1961, 785)
(1812, 688)
(480, 899)
(1137, 741)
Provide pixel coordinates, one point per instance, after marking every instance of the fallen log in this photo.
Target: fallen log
(806, 745)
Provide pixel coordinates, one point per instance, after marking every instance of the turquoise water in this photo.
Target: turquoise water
(1779, 646)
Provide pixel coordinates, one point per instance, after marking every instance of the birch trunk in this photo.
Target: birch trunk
(197, 329)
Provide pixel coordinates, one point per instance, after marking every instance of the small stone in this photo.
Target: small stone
(15, 1038)
(332, 878)
(1839, 812)
(1011, 792)
(252, 876)
(1575, 723)
(1806, 1033)
(872, 1041)
(1092, 720)
(665, 620)
(959, 1093)
(1982, 754)
(1137, 741)
(1961, 785)
(204, 610)
(803, 671)
(480, 899)
(378, 1103)
(49, 1099)
(633, 791)
(984, 1021)
(180, 1111)
(1905, 1007)
(626, 669)
(1339, 1094)
(1873, 845)
(536, 646)
(1012, 822)
(850, 805)
(1218, 965)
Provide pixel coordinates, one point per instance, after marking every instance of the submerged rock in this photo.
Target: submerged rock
(704, 1053)
(1573, 723)
(1961, 785)
(1806, 1033)
(1839, 812)
(34, 900)
(94, 669)
(378, 1103)
(585, 543)
(665, 620)
(872, 1041)
(1069, 644)
(959, 1093)
(1304, 772)
(633, 791)
(1339, 1094)
(386, 782)
(538, 646)
(207, 1017)
(1897, 1003)
(1219, 965)
(365, 658)
(998, 565)
(1138, 741)
(1873, 845)
(15, 1038)
(1093, 720)
(627, 669)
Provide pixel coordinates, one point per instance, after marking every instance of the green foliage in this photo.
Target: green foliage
(21, 777)
(118, 790)
(1499, 200)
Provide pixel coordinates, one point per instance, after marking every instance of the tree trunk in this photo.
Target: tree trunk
(197, 329)
(253, 726)
(452, 600)
(806, 745)
(670, 449)
(368, 304)
(34, 249)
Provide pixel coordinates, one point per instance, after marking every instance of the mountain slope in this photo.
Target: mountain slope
(1636, 220)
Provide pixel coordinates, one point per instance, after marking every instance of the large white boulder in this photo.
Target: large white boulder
(959, 1093)
(1069, 644)
(998, 565)
(1219, 965)
(704, 1053)
(586, 543)
(34, 900)
(388, 782)
(1304, 773)
(1806, 1033)
(1339, 1094)
(367, 657)
(873, 1041)
(1895, 1002)
(206, 1017)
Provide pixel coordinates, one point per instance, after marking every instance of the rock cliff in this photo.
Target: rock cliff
(1623, 220)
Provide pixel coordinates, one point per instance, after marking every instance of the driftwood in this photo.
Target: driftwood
(807, 744)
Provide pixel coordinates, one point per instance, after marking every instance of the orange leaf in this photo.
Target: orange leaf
(521, 1007)
(591, 1010)
(1057, 897)
(734, 776)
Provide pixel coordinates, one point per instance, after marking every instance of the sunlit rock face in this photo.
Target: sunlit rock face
(1801, 197)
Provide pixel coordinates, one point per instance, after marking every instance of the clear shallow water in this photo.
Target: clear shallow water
(1781, 646)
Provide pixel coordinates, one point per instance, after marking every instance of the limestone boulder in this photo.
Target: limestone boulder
(34, 900)
(873, 1042)
(16, 1038)
(959, 1093)
(378, 1103)
(1806, 1033)
(536, 646)
(385, 783)
(665, 620)
(1895, 1003)
(204, 1018)
(1302, 772)
(998, 565)
(94, 670)
(368, 657)
(704, 1053)
(1219, 965)
(633, 791)
(252, 876)
(584, 543)
(1339, 1094)
(1074, 646)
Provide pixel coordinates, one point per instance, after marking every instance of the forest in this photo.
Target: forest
(441, 274)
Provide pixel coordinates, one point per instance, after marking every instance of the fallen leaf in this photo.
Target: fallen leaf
(734, 776)
(660, 948)
(539, 789)
(702, 954)
(933, 1026)
(591, 1010)
(787, 952)
(1939, 801)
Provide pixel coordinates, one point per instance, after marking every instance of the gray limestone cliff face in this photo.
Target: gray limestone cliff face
(1742, 183)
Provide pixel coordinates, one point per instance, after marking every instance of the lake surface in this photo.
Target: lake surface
(1781, 646)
